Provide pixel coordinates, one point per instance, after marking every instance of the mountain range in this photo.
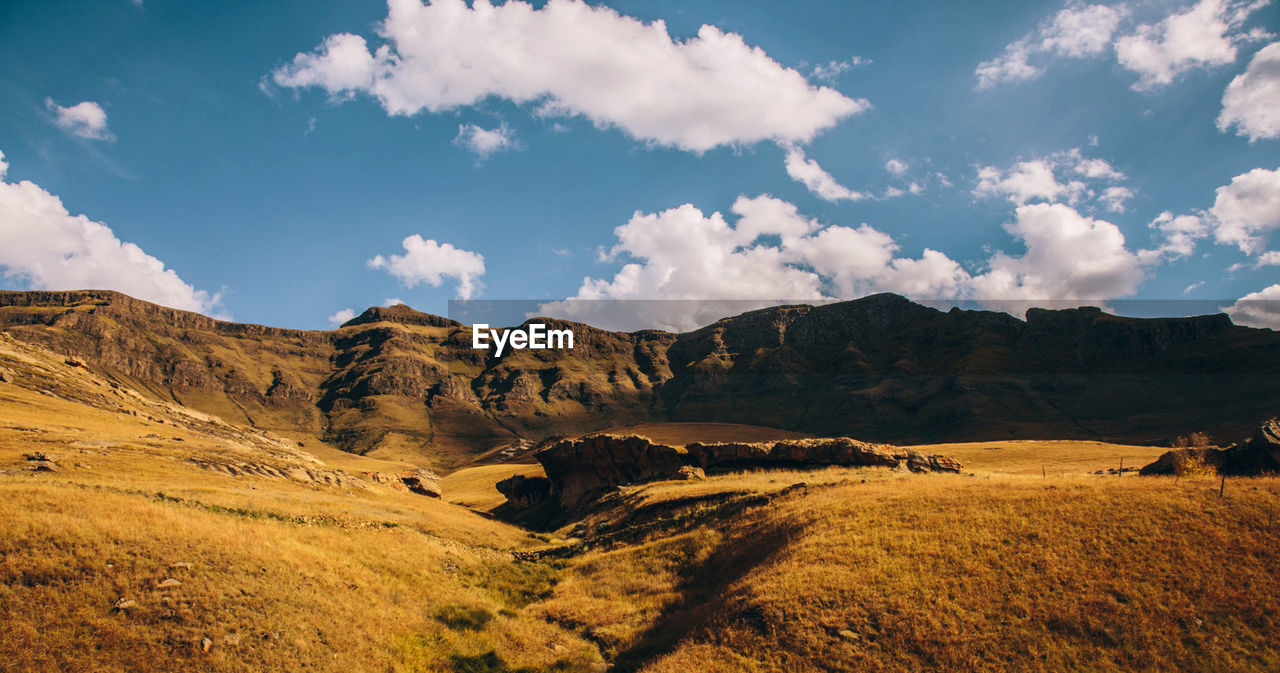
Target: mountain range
(402, 385)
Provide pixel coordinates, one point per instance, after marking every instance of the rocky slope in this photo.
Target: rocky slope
(397, 384)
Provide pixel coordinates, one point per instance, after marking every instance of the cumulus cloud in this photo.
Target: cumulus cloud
(1202, 36)
(1257, 309)
(895, 166)
(47, 248)
(426, 261)
(1179, 235)
(1069, 257)
(571, 58)
(771, 251)
(807, 172)
(1113, 198)
(1076, 31)
(342, 316)
(1243, 214)
(1252, 100)
(1066, 176)
(484, 142)
(1246, 210)
(86, 119)
(1024, 181)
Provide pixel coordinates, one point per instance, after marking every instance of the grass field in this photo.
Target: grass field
(135, 555)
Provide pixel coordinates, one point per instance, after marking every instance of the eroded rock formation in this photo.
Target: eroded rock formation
(581, 469)
(1259, 454)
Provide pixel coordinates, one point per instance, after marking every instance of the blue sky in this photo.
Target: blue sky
(266, 162)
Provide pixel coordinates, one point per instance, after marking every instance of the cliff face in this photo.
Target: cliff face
(401, 384)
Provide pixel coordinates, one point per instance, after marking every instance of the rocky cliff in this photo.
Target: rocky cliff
(404, 385)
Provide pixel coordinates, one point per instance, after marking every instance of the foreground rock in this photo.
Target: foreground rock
(581, 469)
(1259, 454)
(522, 491)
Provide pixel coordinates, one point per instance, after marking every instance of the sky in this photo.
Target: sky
(291, 163)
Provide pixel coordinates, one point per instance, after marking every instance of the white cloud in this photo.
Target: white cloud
(1113, 198)
(1069, 257)
(772, 251)
(1246, 210)
(1076, 31)
(1066, 176)
(485, 142)
(1251, 102)
(1258, 309)
(1080, 31)
(392, 301)
(341, 316)
(1271, 258)
(1243, 214)
(426, 261)
(1204, 35)
(86, 119)
(1010, 66)
(1097, 169)
(50, 249)
(811, 175)
(571, 58)
(831, 71)
(1180, 235)
(895, 166)
(1024, 181)
(1193, 287)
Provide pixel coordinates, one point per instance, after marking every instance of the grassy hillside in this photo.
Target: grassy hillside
(144, 551)
(902, 573)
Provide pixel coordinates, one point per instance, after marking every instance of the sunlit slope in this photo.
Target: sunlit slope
(125, 545)
(874, 570)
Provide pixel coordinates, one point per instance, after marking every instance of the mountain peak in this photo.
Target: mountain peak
(402, 314)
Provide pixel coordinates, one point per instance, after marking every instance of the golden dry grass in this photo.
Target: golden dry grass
(1054, 457)
(474, 487)
(282, 575)
(997, 569)
(949, 573)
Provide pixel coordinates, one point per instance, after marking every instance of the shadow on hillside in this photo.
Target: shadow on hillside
(704, 591)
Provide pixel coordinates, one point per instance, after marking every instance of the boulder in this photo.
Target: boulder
(423, 482)
(1259, 454)
(580, 469)
(522, 491)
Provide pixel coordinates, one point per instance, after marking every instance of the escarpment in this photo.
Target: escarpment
(397, 383)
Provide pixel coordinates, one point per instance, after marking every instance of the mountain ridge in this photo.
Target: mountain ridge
(403, 385)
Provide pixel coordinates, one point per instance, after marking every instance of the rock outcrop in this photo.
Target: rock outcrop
(522, 491)
(579, 470)
(814, 452)
(1259, 454)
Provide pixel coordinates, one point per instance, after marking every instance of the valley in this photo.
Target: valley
(161, 518)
